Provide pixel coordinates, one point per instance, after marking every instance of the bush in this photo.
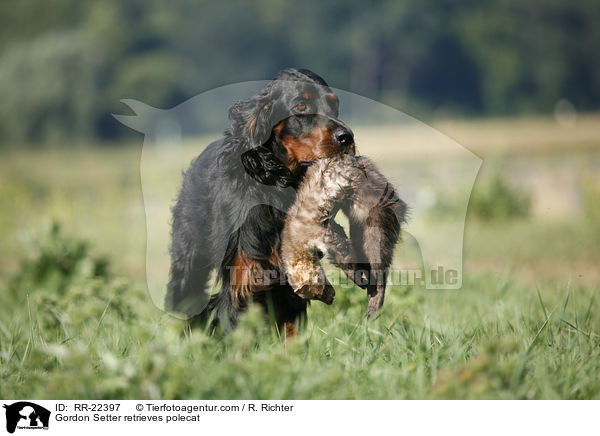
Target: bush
(58, 261)
(496, 200)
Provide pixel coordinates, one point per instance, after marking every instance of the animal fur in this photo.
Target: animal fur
(231, 207)
(353, 184)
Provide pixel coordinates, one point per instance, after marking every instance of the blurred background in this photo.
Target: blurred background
(66, 65)
(517, 83)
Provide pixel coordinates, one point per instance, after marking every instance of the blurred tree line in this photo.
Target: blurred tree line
(65, 64)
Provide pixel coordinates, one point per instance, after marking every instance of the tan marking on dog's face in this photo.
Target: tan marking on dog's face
(318, 143)
(333, 101)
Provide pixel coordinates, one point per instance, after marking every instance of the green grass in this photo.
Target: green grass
(76, 331)
(76, 320)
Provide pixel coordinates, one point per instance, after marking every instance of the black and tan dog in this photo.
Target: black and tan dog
(230, 211)
(231, 208)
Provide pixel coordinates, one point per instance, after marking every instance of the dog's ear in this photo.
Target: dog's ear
(262, 165)
(259, 129)
(251, 119)
(252, 122)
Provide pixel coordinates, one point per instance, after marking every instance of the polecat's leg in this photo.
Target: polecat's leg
(380, 234)
(342, 253)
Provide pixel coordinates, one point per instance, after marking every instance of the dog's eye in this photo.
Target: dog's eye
(300, 107)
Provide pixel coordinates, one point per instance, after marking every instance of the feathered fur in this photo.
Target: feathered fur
(231, 208)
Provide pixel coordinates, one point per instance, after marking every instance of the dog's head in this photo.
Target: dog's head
(290, 123)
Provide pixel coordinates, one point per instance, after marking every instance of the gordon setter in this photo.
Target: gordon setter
(231, 208)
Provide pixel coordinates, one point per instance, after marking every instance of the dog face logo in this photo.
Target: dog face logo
(26, 415)
(426, 167)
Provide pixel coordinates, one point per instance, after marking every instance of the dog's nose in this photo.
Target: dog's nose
(344, 137)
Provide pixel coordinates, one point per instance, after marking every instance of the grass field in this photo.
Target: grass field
(526, 323)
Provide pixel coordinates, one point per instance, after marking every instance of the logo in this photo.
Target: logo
(26, 415)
